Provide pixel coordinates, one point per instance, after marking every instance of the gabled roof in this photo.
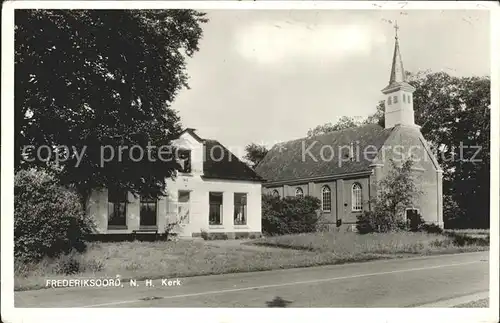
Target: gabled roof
(220, 163)
(193, 134)
(291, 161)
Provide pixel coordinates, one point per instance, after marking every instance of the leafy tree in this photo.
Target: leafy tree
(343, 123)
(454, 113)
(85, 79)
(395, 193)
(255, 153)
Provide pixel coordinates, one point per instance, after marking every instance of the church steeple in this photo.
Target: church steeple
(399, 99)
(397, 70)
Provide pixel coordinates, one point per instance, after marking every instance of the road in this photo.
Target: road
(409, 282)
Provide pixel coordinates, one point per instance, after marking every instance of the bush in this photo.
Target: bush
(48, 218)
(460, 239)
(289, 215)
(378, 221)
(68, 264)
(431, 228)
(373, 221)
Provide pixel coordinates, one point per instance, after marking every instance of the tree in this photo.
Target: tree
(454, 113)
(88, 79)
(396, 192)
(343, 123)
(255, 153)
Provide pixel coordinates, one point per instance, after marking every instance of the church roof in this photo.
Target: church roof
(291, 161)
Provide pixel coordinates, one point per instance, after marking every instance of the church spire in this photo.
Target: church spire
(397, 71)
(399, 94)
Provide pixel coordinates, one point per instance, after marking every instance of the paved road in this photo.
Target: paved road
(391, 283)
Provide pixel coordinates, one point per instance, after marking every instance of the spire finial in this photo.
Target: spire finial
(396, 28)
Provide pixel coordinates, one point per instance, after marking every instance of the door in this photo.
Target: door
(413, 218)
(183, 207)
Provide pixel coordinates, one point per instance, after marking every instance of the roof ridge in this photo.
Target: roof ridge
(331, 132)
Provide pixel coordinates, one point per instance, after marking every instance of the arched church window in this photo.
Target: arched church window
(357, 197)
(276, 193)
(326, 199)
(409, 96)
(299, 192)
(395, 99)
(404, 97)
(389, 101)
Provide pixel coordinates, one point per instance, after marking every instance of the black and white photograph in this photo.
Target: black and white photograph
(178, 157)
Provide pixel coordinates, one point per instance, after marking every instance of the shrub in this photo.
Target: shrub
(68, 264)
(204, 234)
(379, 221)
(48, 218)
(431, 228)
(460, 239)
(289, 215)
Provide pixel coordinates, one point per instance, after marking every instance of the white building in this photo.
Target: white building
(215, 193)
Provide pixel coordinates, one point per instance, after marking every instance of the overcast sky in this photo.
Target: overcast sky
(268, 76)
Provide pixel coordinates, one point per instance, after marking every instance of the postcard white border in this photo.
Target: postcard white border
(11, 314)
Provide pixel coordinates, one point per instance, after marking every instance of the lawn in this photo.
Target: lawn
(395, 243)
(183, 258)
(473, 233)
(482, 303)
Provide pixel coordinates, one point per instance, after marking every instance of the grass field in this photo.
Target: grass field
(483, 303)
(388, 243)
(151, 260)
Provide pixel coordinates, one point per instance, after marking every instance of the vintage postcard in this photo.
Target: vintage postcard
(214, 160)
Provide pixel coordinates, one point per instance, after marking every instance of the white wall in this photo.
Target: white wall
(199, 201)
(199, 207)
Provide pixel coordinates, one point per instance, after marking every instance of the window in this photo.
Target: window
(148, 211)
(389, 101)
(395, 99)
(357, 197)
(117, 208)
(240, 208)
(184, 159)
(183, 206)
(409, 100)
(215, 211)
(326, 199)
(404, 97)
(276, 193)
(299, 192)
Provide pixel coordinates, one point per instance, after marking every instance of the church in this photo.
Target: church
(341, 168)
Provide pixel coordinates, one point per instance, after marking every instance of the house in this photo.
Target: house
(215, 192)
(342, 168)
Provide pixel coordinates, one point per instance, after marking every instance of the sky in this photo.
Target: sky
(267, 76)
